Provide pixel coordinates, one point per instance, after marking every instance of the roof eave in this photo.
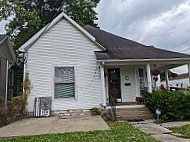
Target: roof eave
(143, 60)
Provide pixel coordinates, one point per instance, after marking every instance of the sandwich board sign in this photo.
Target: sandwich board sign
(45, 106)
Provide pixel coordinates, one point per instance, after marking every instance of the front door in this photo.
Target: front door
(114, 83)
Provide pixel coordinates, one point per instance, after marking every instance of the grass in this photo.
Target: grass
(123, 132)
(184, 130)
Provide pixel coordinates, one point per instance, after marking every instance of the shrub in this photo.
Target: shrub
(94, 109)
(16, 108)
(173, 105)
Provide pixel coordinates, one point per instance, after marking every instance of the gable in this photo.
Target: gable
(63, 34)
(38, 35)
(6, 51)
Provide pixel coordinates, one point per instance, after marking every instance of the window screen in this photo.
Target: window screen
(64, 82)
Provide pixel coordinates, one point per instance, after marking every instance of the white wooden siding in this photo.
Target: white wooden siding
(64, 45)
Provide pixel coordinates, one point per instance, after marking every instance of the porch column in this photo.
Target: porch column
(149, 78)
(103, 86)
(189, 74)
(158, 82)
(167, 80)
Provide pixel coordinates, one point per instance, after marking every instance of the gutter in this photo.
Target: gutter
(145, 60)
(6, 93)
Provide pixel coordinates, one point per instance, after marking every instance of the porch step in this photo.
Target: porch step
(142, 113)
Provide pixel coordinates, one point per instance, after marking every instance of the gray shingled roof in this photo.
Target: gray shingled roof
(2, 37)
(122, 48)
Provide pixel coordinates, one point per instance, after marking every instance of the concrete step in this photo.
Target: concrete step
(134, 113)
(132, 109)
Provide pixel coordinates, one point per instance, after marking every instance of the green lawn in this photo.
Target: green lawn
(121, 133)
(184, 130)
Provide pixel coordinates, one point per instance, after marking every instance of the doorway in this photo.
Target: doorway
(114, 88)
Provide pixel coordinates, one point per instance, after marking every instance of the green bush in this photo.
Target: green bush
(173, 106)
(94, 109)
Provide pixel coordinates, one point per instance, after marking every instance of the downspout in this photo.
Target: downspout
(6, 93)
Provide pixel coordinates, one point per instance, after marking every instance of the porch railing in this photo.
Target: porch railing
(113, 107)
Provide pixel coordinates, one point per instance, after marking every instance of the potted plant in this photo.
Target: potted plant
(156, 72)
(115, 100)
(94, 110)
(138, 99)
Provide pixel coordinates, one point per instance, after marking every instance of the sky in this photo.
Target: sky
(162, 23)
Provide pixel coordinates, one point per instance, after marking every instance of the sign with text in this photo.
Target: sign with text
(45, 106)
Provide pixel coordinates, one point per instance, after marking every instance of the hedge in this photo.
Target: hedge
(173, 106)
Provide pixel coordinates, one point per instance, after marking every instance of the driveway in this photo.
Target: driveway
(52, 125)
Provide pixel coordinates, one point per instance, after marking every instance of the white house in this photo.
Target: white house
(80, 67)
(182, 81)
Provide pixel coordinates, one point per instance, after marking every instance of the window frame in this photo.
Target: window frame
(11, 80)
(75, 83)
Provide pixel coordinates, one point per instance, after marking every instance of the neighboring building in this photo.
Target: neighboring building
(7, 59)
(80, 67)
(182, 81)
(13, 88)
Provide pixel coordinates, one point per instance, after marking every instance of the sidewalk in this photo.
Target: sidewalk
(160, 131)
(52, 125)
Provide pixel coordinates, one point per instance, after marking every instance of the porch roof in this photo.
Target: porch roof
(119, 48)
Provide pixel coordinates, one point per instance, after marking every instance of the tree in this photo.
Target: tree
(29, 16)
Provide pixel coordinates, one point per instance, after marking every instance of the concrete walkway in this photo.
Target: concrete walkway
(52, 125)
(174, 124)
(160, 131)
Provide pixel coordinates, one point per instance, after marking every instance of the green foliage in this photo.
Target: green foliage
(16, 108)
(173, 105)
(82, 11)
(162, 75)
(94, 109)
(121, 133)
(140, 99)
(29, 16)
(184, 130)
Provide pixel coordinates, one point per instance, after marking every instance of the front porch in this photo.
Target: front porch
(127, 79)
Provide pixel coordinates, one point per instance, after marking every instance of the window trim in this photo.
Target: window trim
(75, 82)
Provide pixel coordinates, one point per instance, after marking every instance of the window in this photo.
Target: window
(10, 94)
(11, 78)
(64, 82)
